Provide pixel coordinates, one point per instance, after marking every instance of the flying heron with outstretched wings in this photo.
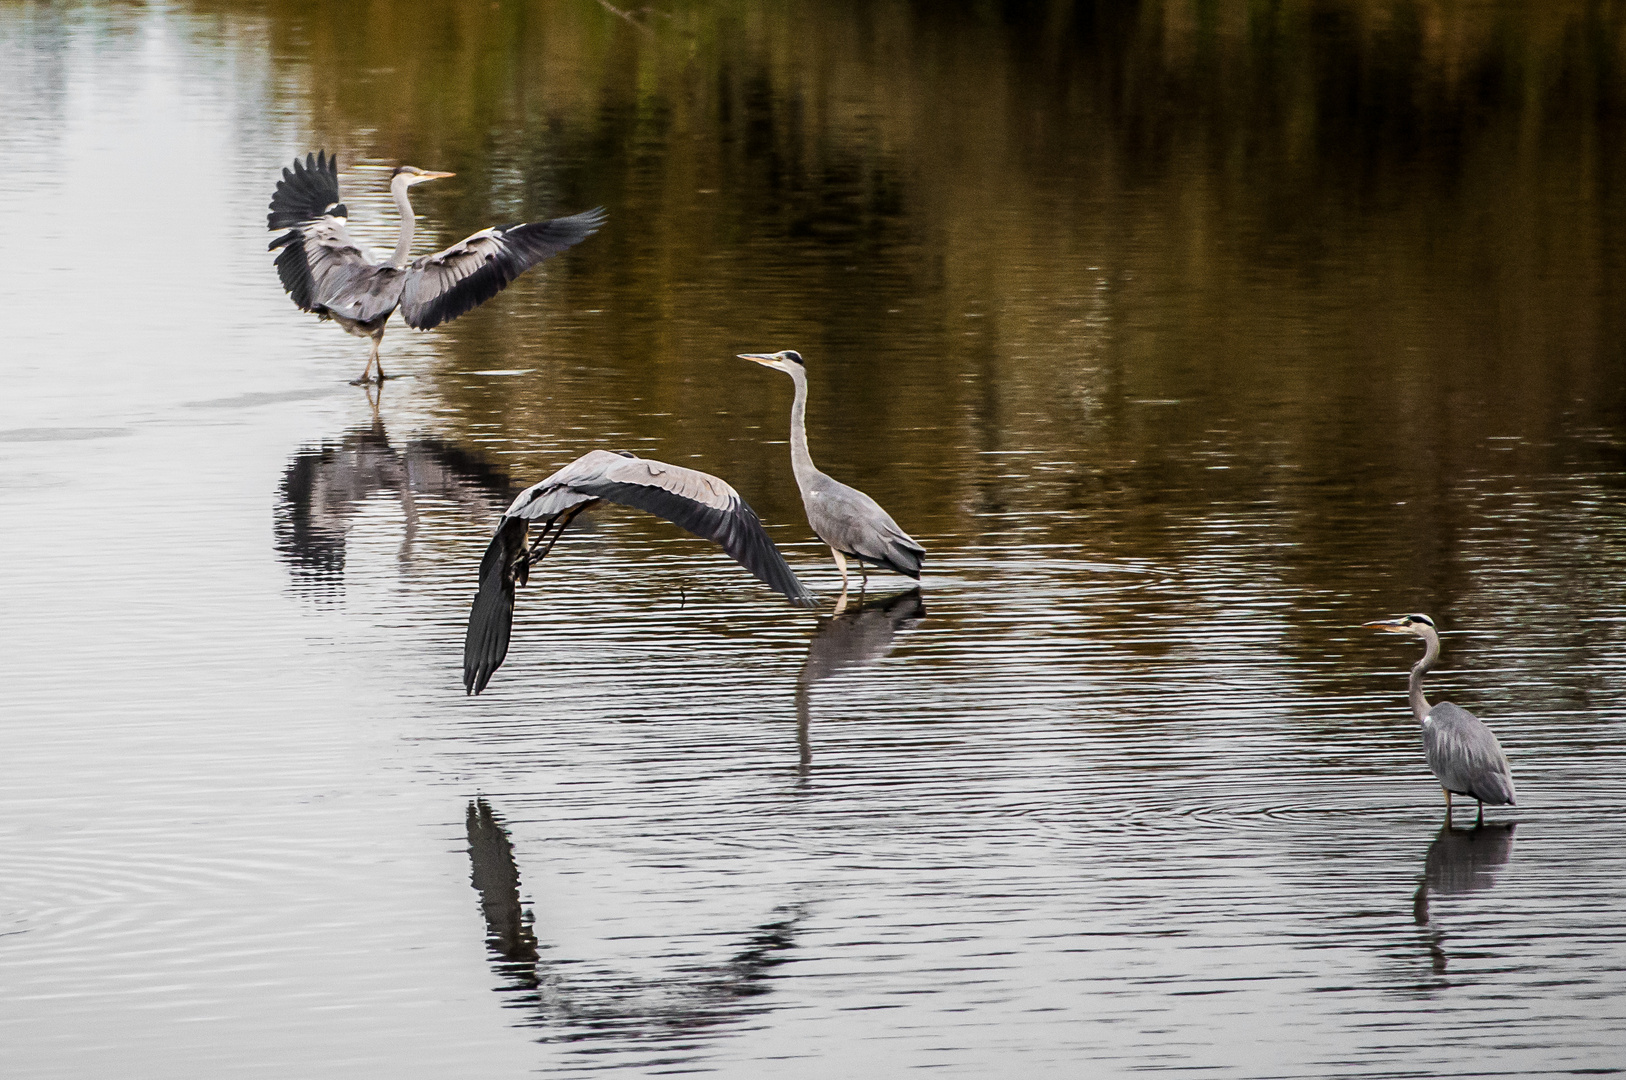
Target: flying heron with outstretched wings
(693, 500)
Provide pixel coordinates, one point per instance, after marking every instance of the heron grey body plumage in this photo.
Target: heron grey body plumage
(1466, 756)
(327, 273)
(698, 502)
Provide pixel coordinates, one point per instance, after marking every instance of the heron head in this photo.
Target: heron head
(410, 175)
(786, 360)
(1415, 625)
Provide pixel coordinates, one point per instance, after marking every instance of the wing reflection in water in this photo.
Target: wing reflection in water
(1459, 861)
(850, 639)
(582, 1004)
(324, 488)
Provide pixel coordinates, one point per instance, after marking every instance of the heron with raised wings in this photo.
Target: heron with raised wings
(1462, 752)
(850, 522)
(693, 500)
(331, 275)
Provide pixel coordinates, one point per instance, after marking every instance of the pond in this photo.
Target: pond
(1184, 337)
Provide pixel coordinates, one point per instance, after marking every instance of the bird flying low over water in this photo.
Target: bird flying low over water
(328, 273)
(852, 523)
(1461, 750)
(698, 502)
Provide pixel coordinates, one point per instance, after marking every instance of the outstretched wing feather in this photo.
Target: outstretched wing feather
(735, 528)
(307, 191)
(442, 286)
(491, 619)
(323, 269)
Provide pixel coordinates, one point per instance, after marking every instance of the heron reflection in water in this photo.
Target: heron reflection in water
(330, 275)
(607, 1004)
(325, 487)
(1459, 861)
(850, 639)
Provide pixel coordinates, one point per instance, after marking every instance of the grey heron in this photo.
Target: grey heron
(852, 523)
(328, 273)
(1462, 752)
(698, 502)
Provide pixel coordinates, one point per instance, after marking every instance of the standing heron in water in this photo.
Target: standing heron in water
(852, 523)
(328, 273)
(1461, 750)
(690, 499)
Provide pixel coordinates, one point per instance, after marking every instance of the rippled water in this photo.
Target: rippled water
(1184, 343)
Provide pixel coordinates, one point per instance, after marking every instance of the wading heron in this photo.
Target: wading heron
(328, 273)
(1461, 750)
(852, 523)
(698, 502)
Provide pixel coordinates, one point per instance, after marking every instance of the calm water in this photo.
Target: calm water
(1185, 337)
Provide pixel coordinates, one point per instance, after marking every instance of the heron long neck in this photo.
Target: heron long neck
(1419, 703)
(403, 246)
(801, 462)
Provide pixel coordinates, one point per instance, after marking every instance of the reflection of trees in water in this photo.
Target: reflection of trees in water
(850, 639)
(325, 487)
(1459, 861)
(587, 1004)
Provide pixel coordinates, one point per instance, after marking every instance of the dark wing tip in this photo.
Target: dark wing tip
(491, 617)
(305, 191)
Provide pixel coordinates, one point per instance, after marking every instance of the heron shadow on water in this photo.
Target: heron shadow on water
(597, 1005)
(1459, 861)
(850, 639)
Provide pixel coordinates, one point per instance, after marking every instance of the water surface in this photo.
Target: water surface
(1185, 339)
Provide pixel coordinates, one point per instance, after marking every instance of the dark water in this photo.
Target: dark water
(1185, 337)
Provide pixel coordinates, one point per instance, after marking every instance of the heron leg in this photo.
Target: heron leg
(1480, 820)
(378, 364)
(1447, 805)
(841, 564)
(558, 530)
(841, 603)
(372, 358)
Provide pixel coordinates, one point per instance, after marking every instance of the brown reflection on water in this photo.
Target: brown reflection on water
(1078, 274)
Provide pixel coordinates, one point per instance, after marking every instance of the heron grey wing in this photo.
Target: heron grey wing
(553, 495)
(491, 618)
(306, 192)
(319, 259)
(1466, 756)
(846, 518)
(702, 504)
(442, 286)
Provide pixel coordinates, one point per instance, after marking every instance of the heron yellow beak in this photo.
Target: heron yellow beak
(765, 359)
(1392, 626)
(437, 175)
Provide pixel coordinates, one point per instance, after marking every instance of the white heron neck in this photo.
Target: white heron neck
(801, 462)
(1419, 703)
(403, 246)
